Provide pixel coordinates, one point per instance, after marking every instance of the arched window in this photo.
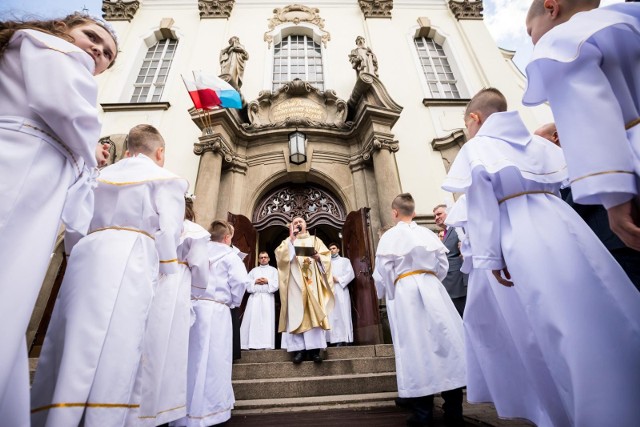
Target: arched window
(297, 56)
(153, 73)
(437, 70)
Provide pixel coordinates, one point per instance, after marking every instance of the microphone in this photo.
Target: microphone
(298, 230)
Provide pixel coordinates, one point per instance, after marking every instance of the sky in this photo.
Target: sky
(504, 18)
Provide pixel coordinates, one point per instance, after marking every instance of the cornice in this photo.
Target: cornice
(466, 9)
(376, 8)
(119, 10)
(215, 9)
(454, 138)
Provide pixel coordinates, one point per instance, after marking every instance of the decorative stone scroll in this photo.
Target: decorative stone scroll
(119, 10)
(296, 13)
(211, 9)
(314, 204)
(297, 103)
(449, 146)
(466, 9)
(376, 8)
(217, 144)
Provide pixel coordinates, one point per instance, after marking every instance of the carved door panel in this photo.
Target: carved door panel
(358, 248)
(244, 238)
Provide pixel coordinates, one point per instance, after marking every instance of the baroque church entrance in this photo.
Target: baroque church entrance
(327, 219)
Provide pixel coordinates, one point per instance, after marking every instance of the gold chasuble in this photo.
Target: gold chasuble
(306, 291)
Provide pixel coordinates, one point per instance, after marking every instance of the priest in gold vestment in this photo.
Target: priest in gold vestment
(306, 296)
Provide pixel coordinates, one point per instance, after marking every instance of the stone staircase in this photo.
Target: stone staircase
(265, 381)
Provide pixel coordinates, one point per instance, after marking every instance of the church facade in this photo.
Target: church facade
(345, 105)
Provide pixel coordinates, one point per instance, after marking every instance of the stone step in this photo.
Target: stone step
(276, 388)
(247, 371)
(350, 352)
(315, 403)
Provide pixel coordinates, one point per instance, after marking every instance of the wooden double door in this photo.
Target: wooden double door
(357, 247)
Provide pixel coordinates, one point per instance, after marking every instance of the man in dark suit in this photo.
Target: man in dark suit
(456, 282)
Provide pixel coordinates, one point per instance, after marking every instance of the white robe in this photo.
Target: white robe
(488, 336)
(340, 317)
(425, 326)
(575, 316)
(210, 396)
(163, 379)
(587, 69)
(48, 133)
(258, 326)
(92, 350)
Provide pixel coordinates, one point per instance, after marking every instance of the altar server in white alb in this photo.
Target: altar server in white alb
(585, 64)
(341, 331)
(210, 396)
(488, 336)
(258, 329)
(49, 129)
(583, 311)
(93, 347)
(162, 381)
(426, 328)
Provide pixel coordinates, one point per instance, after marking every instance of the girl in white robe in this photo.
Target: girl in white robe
(258, 327)
(49, 130)
(576, 312)
(210, 396)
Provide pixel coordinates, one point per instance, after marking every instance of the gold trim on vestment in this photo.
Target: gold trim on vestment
(194, 286)
(208, 415)
(168, 261)
(135, 230)
(632, 123)
(183, 263)
(600, 173)
(524, 193)
(412, 273)
(104, 181)
(84, 405)
(162, 412)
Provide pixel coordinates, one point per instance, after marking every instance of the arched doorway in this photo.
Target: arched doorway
(328, 219)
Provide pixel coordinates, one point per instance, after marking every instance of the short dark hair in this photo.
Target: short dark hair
(404, 204)
(189, 213)
(218, 230)
(488, 101)
(144, 139)
(333, 244)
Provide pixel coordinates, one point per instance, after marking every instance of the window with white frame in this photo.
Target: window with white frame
(297, 56)
(437, 70)
(154, 71)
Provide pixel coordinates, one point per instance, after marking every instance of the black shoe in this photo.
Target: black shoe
(299, 357)
(454, 420)
(403, 402)
(315, 355)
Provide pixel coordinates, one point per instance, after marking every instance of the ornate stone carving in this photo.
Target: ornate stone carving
(376, 8)
(296, 13)
(376, 143)
(449, 146)
(466, 9)
(215, 8)
(362, 58)
(313, 203)
(297, 103)
(232, 59)
(217, 144)
(119, 10)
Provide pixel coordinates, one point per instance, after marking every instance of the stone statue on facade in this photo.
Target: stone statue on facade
(232, 59)
(362, 58)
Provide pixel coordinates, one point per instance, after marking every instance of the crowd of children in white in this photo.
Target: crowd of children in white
(141, 332)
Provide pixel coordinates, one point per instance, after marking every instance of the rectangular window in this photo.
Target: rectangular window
(297, 56)
(436, 69)
(154, 71)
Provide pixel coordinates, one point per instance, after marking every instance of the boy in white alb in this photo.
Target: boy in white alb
(258, 327)
(585, 64)
(341, 331)
(578, 308)
(92, 351)
(425, 326)
(209, 392)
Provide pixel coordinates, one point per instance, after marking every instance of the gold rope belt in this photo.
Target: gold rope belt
(412, 273)
(207, 299)
(84, 405)
(513, 196)
(632, 123)
(135, 230)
